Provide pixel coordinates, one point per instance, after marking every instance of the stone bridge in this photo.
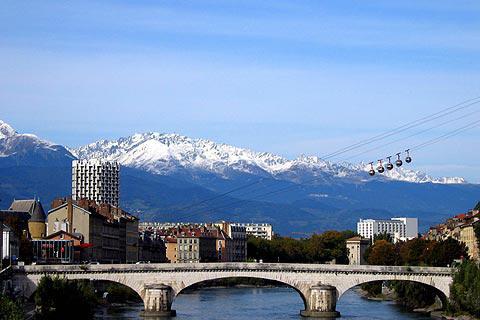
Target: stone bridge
(320, 286)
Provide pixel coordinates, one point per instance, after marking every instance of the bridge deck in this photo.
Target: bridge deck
(240, 266)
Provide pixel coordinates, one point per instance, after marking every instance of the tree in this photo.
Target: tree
(57, 297)
(327, 246)
(383, 236)
(442, 253)
(465, 289)
(413, 294)
(382, 253)
(412, 251)
(318, 248)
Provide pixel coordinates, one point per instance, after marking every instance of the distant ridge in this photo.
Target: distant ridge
(167, 153)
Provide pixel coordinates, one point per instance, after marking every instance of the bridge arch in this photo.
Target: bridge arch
(28, 284)
(288, 283)
(441, 284)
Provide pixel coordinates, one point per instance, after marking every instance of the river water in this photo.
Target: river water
(261, 303)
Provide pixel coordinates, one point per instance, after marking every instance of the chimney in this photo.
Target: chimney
(70, 215)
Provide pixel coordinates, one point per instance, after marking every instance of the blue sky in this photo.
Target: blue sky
(289, 77)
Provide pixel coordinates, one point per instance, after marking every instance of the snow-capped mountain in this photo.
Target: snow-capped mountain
(29, 150)
(168, 153)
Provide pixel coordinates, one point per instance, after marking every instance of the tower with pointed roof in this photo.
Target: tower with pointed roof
(36, 224)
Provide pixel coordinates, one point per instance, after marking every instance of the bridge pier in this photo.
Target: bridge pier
(321, 303)
(158, 300)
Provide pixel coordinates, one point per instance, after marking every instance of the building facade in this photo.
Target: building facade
(151, 248)
(400, 229)
(193, 249)
(14, 227)
(259, 230)
(356, 250)
(11, 243)
(467, 236)
(107, 231)
(236, 245)
(171, 249)
(96, 180)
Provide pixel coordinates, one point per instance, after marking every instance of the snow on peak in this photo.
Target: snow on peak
(163, 153)
(6, 130)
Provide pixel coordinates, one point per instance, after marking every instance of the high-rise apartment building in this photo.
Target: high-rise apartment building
(398, 228)
(96, 180)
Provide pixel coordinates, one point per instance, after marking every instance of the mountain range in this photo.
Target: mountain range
(170, 177)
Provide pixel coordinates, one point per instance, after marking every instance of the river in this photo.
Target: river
(261, 303)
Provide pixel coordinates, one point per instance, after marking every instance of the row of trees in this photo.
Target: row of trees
(319, 248)
(416, 252)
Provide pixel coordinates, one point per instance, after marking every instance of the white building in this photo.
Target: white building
(259, 230)
(10, 243)
(400, 229)
(96, 180)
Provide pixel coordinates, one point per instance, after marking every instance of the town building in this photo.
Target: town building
(36, 221)
(151, 248)
(460, 227)
(11, 243)
(468, 237)
(259, 230)
(171, 249)
(400, 229)
(224, 246)
(194, 246)
(109, 233)
(58, 248)
(14, 227)
(236, 245)
(356, 250)
(1, 241)
(230, 241)
(96, 180)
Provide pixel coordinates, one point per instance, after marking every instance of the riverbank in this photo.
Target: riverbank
(441, 315)
(434, 310)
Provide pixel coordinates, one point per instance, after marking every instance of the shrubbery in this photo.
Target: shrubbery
(465, 290)
(10, 310)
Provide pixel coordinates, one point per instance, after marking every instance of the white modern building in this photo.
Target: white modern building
(400, 229)
(259, 230)
(96, 180)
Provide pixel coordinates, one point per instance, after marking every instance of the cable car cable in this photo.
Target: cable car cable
(398, 130)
